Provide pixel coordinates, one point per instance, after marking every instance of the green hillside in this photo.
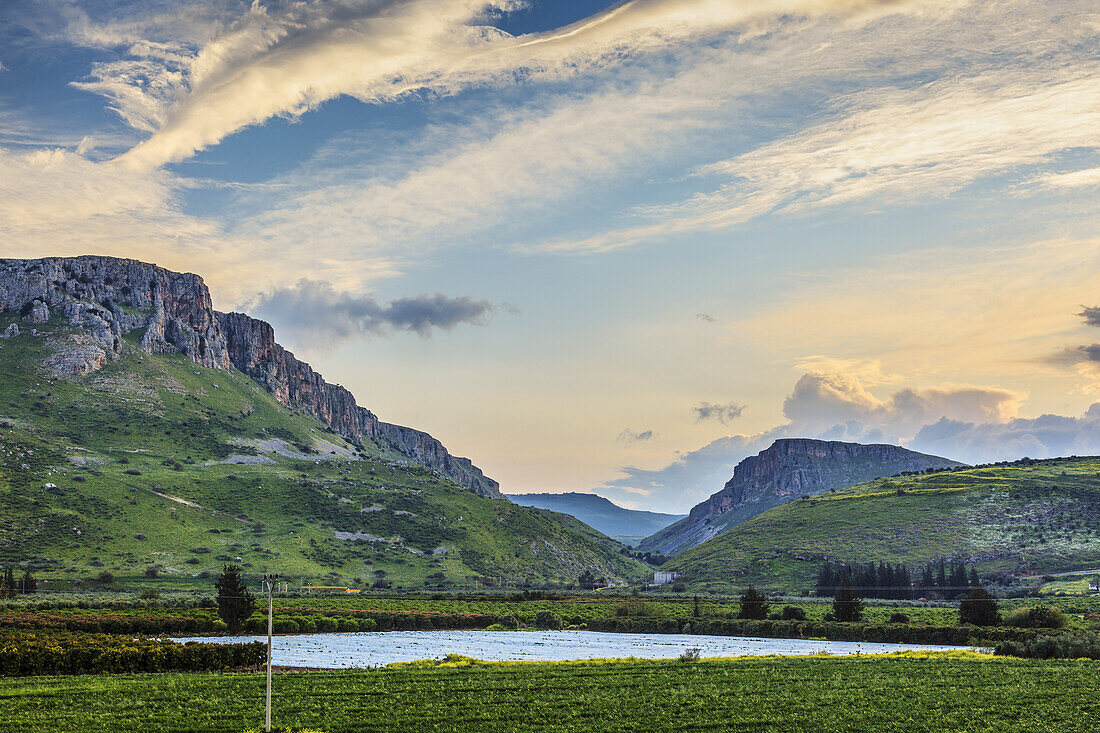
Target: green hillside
(156, 461)
(1030, 517)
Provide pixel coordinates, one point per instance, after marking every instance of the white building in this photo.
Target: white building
(661, 577)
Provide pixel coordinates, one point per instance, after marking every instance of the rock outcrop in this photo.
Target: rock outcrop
(105, 298)
(789, 469)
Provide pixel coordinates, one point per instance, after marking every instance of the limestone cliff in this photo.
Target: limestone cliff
(789, 469)
(104, 298)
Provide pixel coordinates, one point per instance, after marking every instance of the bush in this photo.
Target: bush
(547, 620)
(284, 626)
(326, 624)
(793, 613)
(151, 571)
(1037, 617)
(1080, 645)
(347, 624)
(899, 618)
(508, 622)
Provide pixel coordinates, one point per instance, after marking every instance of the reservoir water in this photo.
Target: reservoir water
(372, 649)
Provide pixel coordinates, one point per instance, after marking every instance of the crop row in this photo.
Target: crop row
(822, 695)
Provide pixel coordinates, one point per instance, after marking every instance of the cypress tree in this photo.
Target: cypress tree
(235, 603)
(28, 584)
(7, 587)
(754, 604)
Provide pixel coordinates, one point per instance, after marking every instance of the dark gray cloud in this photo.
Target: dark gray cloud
(315, 314)
(1091, 315)
(629, 436)
(723, 413)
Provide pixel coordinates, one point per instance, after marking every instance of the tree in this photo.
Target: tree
(979, 608)
(28, 584)
(695, 612)
(7, 585)
(847, 606)
(587, 581)
(754, 604)
(235, 603)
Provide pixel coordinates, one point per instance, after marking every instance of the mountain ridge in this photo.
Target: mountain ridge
(599, 512)
(108, 297)
(1007, 519)
(788, 469)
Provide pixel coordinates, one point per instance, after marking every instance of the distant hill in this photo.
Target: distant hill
(1031, 517)
(600, 513)
(787, 470)
(139, 429)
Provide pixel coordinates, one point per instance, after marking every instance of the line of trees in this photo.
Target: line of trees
(936, 579)
(10, 587)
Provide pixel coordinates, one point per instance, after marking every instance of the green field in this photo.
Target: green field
(749, 694)
(1025, 518)
(154, 461)
(572, 609)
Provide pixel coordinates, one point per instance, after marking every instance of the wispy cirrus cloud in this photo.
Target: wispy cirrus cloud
(287, 58)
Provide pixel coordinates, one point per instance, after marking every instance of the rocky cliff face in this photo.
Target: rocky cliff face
(795, 467)
(789, 469)
(105, 298)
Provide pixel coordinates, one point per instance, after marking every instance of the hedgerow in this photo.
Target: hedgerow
(60, 652)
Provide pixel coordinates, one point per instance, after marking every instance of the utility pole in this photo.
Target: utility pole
(269, 580)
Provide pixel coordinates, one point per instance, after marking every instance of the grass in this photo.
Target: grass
(1028, 519)
(125, 447)
(929, 693)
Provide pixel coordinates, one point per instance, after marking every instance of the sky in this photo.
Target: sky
(595, 246)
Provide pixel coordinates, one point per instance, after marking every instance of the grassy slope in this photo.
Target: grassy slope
(1038, 518)
(178, 425)
(773, 694)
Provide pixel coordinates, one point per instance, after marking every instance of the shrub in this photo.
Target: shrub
(793, 613)
(151, 571)
(1078, 645)
(547, 620)
(284, 626)
(899, 618)
(508, 622)
(326, 624)
(690, 655)
(1037, 617)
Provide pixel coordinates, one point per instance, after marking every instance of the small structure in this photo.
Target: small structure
(662, 577)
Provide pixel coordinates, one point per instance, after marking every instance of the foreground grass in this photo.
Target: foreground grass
(931, 693)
